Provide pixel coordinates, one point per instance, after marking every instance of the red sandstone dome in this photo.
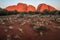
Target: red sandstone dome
(42, 7)
(31, 8)
(21, 7)
(11, 8)
(51, 8)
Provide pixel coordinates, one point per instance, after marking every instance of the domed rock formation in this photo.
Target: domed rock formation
(42, 7)
(30, 8)
(21, 7)
(51, 8)
(11, 8)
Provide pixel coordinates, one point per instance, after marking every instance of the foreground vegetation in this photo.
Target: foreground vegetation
(36, 20)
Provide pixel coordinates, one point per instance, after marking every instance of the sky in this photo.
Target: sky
(54, 3)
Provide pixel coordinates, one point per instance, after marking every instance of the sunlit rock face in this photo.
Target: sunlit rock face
(11, 8)
(42, 7)
(31, 8)
(21, 7)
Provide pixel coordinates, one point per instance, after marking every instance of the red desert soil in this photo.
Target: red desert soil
(18, 31)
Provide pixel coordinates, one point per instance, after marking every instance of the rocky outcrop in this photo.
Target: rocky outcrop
(51, 8)
(21, 7)
(42, 7)
(31, 8)
(11, 8)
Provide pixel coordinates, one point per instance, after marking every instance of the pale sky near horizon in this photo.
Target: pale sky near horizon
(54, 3)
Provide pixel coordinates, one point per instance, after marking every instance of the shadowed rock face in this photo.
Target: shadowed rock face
(31, 8)
(42, 7)
(21, 7)
(51, 8)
